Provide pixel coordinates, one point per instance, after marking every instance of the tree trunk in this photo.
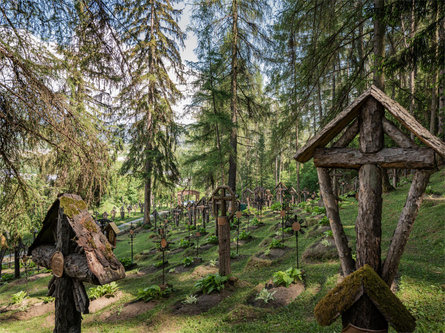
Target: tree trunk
(147, 191)
(17, 259)
(386, 185)
(2, 255)
(233, 100)
(224, 241)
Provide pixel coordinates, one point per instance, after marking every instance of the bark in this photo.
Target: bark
(67, 317)
(395, 178)
(349, 158)
(349, 135)
(2, 255)
(341, 241)
(17, 259)
(224, 241)
(233, 100)
(396, 135)
(435, 74)
(386, 185)
(405, 224)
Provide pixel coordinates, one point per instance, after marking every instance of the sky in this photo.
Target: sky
(187, 54)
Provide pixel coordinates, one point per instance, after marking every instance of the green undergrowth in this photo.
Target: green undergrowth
(420, 278)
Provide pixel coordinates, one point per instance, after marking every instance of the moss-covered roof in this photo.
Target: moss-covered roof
(364, 281)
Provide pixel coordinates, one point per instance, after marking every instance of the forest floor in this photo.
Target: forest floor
(421, 285)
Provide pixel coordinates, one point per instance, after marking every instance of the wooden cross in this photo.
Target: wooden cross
(224, 206)
(366, 116)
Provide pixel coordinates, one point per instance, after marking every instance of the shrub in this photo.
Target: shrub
(244, 235)
(324, 221)
(48, 299)
(106, 290)
(210, 283)
(126, 262)
(287, 277)
(255, 221)
(153, 292)
(265, 296)
(7, 277)
(19, 297)
(213, 262)
(184, 243)
(276, 244)
(275, 206)
(212, 239)
(187, 261)
(234, 255)
(160, 263)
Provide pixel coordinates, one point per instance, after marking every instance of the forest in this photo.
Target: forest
(98, 100)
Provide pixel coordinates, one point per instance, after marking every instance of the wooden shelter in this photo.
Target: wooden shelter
(111, 231)
(181, 195)
(72, 245)
(366, 116)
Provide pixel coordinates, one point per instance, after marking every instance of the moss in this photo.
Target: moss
(91, 243)
(72, 207)
(90, 226)
(345, 294)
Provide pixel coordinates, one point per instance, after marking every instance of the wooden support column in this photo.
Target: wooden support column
(364, 313)
(405, 224)
(67, 318)
(330, 203)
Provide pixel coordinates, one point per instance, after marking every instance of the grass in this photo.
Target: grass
(420, 285)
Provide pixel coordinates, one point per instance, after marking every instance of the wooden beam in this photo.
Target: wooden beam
(332, 129)
(407, 120)
(349, 135)
(396, 135)
(405, 224)
(330, 202)
(401, 158)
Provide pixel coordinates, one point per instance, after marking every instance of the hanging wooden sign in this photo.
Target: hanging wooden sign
(163, 243)
(283, 213)
(296, 226)
(238, 214)
(57, 263)
(222, 220)
(198, 234)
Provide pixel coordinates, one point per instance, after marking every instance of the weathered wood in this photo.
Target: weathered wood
(407, 120)
(330, 203)
(349, 135)
(405, 224)
(332, 129)
(67, 318)
(368, 223)
(75, 265)
(396, 135)
(401, 158)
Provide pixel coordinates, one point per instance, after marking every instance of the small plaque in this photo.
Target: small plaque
(111, 237)
(238, 214)
(296, 226)
(131, 231)
(222, 220)
(198, 234)
(163, 243)
(57, 263)
(283, 213)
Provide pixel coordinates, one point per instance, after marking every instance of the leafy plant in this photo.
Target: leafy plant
(210, 283)
(325, 242)
(244, 235)
(202, 230)
(106, 290)
(324, 221)
(234, 255)
(7, 277)
(48, 299)
(126, 262)
(267, 252)
(153, 292)
(287, 277)
(213, 262)
(19, 297)
(190, 299)
(275, 206)
(276, 244)
(212, 239)
(255, 221)
(265, 295)
(328, 233)
(172, 270)
(187, 261)
(184, 243)
(159, 263)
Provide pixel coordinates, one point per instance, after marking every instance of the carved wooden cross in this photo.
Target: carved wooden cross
(366, 115)
(224, 206)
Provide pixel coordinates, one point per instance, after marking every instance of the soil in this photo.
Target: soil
(152, 269)
(202, 271)
(206, 247)
(103, 302)
(283, 296)
(274, 253)
(319, 252)
(204, 303)
(128, 311)
(35, 310)
(239, 257)
(318, 231)
(181, 268)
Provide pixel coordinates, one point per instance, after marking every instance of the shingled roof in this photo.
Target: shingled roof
(336, 125)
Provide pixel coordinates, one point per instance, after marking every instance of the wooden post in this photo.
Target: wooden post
(364, 313)
(224, 240)
(67, 318)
